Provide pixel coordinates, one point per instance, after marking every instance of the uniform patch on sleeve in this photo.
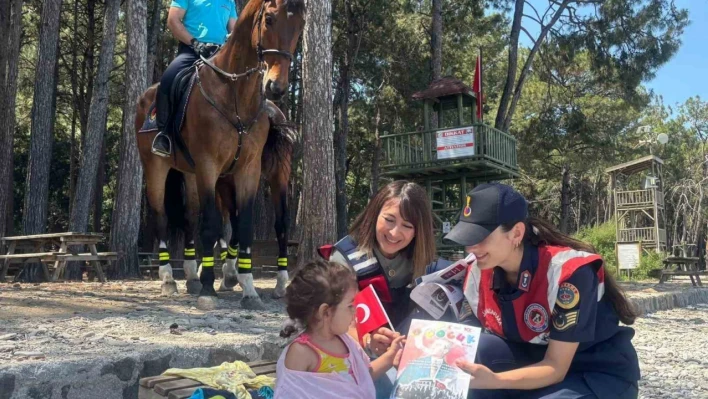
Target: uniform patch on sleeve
(564, 320)
(568, 296)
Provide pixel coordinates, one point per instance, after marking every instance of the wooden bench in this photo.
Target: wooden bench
(686, 266)
(164, 387)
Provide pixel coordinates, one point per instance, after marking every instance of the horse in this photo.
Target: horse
(276, 164)
(224, 134)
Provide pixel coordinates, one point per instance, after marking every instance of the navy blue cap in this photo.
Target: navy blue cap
(487, 207)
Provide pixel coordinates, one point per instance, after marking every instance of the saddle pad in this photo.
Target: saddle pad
(179, 97)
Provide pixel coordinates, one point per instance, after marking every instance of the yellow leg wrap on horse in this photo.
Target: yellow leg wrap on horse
(208, 261)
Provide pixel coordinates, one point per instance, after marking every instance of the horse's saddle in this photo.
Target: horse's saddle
(180, 92)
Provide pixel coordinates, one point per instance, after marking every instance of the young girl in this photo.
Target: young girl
(323, 361)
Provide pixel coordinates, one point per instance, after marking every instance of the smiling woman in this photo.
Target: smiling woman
(390, 243)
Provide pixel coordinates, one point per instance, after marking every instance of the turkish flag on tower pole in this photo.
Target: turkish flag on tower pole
(370, 313)
(477, 85)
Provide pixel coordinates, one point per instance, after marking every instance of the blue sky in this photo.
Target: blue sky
(684, 75)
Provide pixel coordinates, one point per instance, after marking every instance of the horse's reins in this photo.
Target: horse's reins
(240, 127)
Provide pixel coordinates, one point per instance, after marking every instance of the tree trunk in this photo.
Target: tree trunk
(98, 192)
(75, 95)
(565, 199)
(81, 207)
(88, 65)
(436, 36)
(512, 64)
(43, 110)
(318, 193)
(9, 46)
(36, 202)
(376, 158)
(153, 39)
(126, 213)
(341, 134)
(239, 5)
(529, 61)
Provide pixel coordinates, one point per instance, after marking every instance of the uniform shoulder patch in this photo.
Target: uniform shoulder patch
(564, 320)
(568, 296)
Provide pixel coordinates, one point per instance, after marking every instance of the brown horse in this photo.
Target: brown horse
(276, 167)
(225, 131)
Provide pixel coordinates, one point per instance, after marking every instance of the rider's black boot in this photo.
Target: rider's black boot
(161, 144)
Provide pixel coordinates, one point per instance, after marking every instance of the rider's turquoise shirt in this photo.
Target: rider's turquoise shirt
(207, 20)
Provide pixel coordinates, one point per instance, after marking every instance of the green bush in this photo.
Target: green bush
(648, 262)
(603, 238)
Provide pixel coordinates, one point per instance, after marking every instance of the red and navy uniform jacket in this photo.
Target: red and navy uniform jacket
(556, 297)
(368, 271)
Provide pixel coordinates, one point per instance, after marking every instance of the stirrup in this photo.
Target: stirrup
(160, 152)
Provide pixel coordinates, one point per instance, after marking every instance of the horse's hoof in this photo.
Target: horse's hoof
(169, 288)
(230, 281)
(194, 287)
(207, 302)
(228, 285)
(252, 303)
(279, 292)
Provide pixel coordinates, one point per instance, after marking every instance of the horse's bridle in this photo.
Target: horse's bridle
(260, 68)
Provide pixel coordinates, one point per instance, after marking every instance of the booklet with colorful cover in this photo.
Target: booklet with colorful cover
(427, 369)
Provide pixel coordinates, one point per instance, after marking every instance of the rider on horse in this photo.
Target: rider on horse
(201, 28)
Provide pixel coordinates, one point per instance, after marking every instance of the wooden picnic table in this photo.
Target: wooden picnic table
(682, 266)
(41, 248)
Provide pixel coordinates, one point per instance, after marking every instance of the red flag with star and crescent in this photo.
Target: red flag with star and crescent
(477, 86)
(370, 313)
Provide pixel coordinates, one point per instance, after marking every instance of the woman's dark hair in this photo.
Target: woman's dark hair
(538, 231)
(415, 208)
(316, 283)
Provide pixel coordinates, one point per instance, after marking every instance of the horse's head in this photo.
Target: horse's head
(278, 27)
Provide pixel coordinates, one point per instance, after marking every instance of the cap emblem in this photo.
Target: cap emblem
(467, 211)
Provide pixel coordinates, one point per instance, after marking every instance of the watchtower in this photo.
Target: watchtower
(638, 199)
(452, 156)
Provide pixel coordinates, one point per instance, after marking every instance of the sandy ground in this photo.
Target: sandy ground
(55, 322)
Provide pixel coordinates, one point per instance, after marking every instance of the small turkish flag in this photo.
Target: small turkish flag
(370, 314)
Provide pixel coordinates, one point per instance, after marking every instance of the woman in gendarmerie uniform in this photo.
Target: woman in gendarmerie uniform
(553, 312)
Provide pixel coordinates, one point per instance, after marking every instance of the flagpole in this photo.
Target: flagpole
(382, 308)
(481, 88)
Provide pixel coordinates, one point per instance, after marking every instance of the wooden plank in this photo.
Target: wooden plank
(51, 236)
(28, 255)
(164, 388)
(6, 262)
(267, 369)
(261, 363)
(97, 264)
(183, 393)
(150, 382)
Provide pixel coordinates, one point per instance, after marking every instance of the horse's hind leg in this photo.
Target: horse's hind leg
(229, 253)
(192, 217)
(279, 195)
(209, 234)
(155, 178)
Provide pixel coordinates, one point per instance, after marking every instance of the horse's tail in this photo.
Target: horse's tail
(175, 199)
(279, 147)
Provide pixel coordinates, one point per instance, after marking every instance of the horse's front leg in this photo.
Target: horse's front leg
(279, 196)
(246, 191)
(194, 287)
(210, 232)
